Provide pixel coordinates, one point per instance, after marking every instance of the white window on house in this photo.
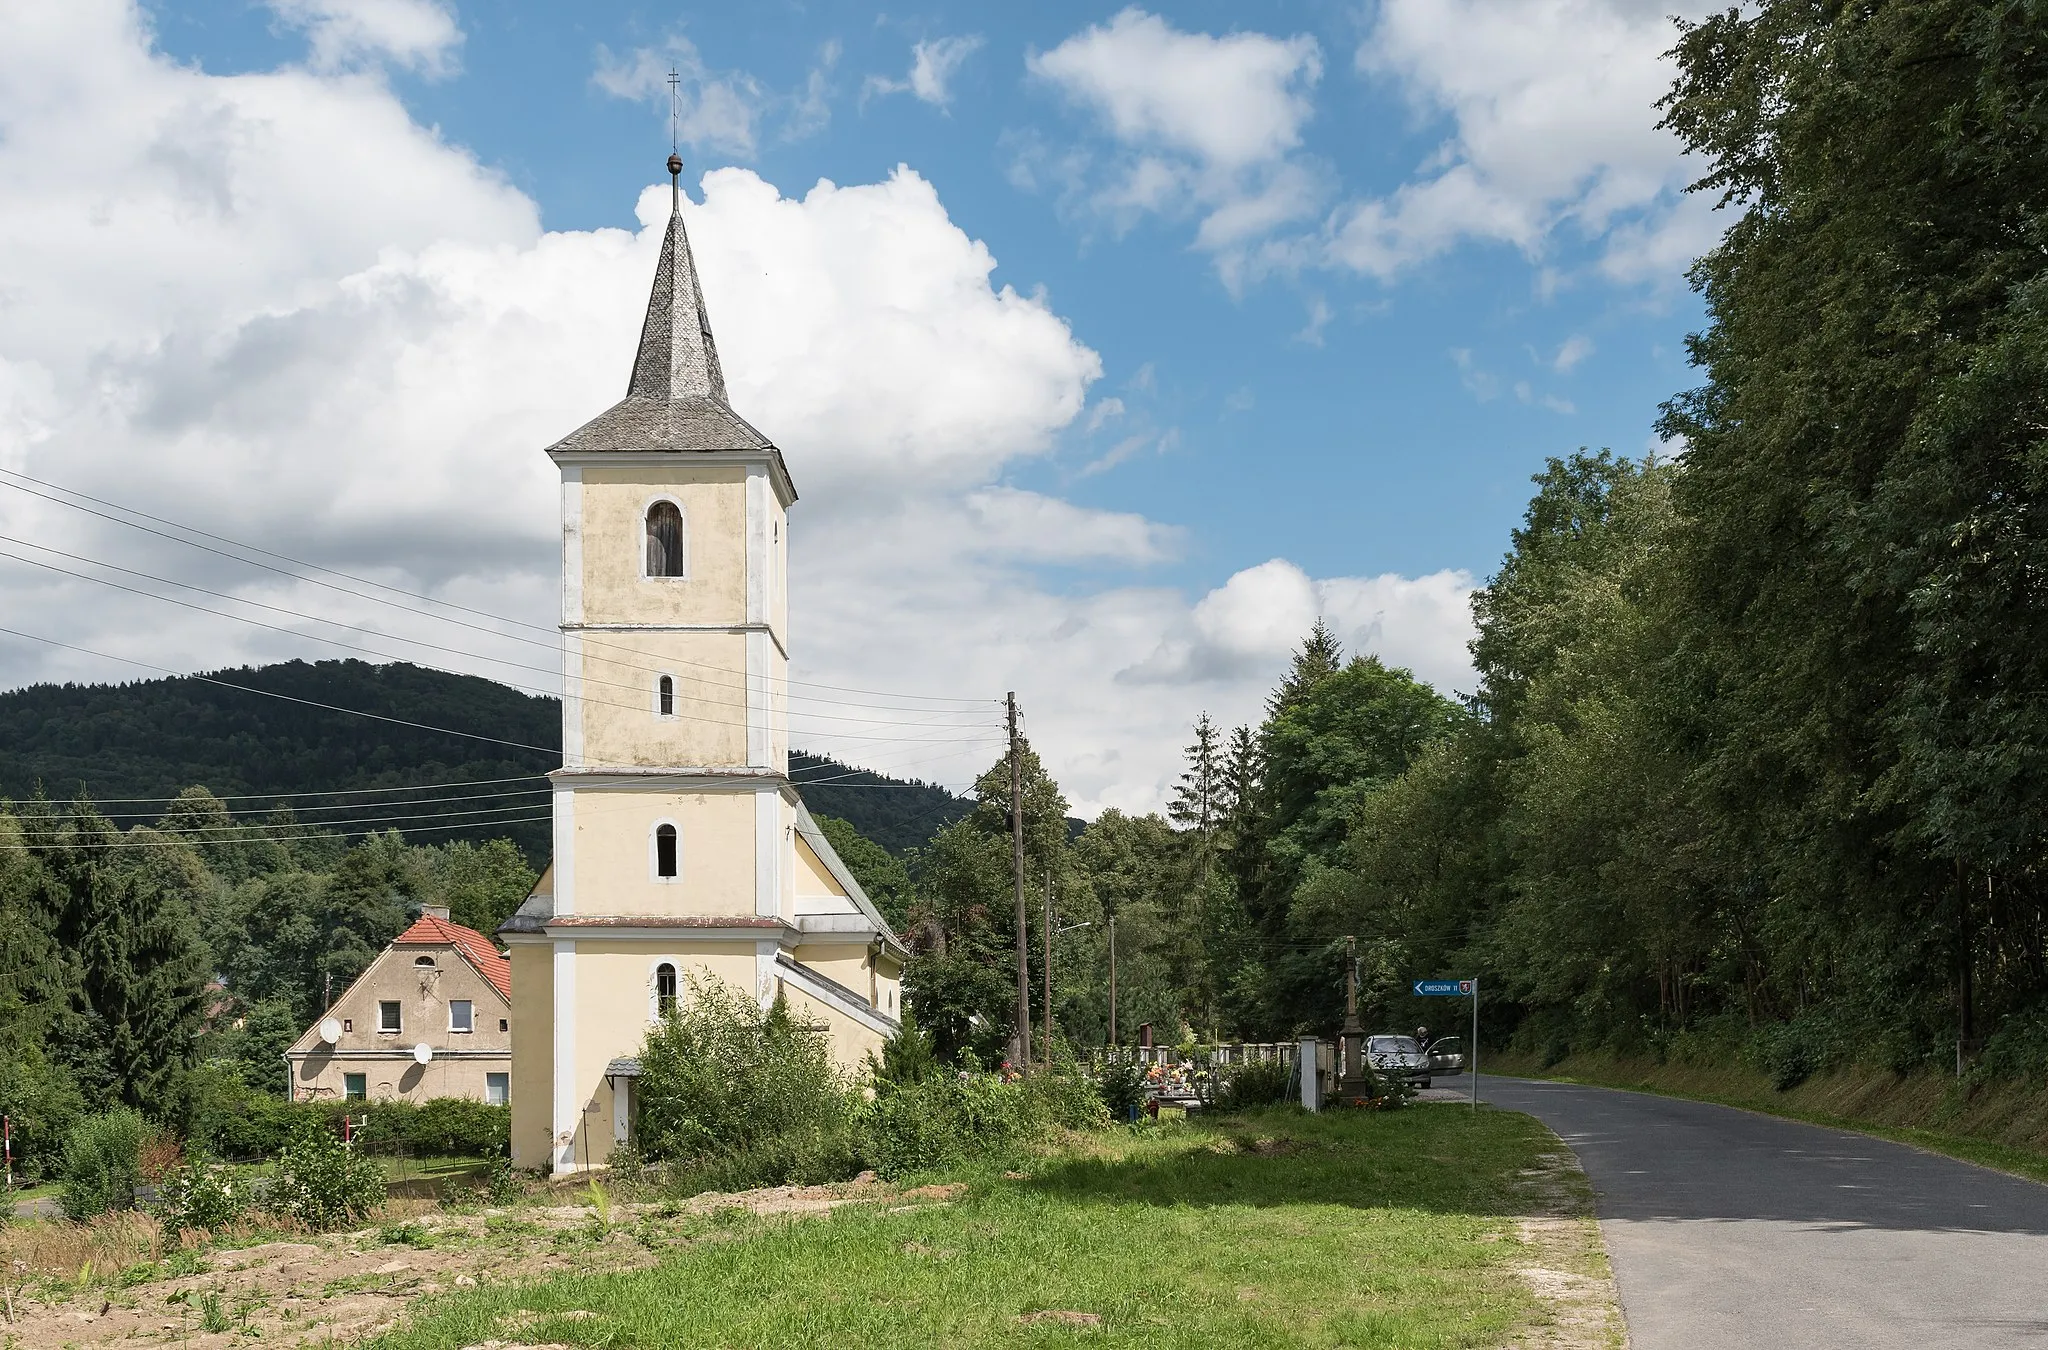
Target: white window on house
(665, 696)
(664, 989)
(667, 550)
(498, 1088)
(427, 961)
(461, 1015)
(387, 1018)
(665, 851)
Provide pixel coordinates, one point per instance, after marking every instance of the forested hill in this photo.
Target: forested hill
(148, 740)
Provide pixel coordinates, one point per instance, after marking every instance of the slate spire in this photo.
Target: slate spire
(678, 358)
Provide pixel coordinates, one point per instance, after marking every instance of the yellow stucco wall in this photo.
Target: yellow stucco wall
(614, 874)
(613, 505)
(614, 988)
(618, 699)
(811, 876)
(852, 1043)
(533, 1052)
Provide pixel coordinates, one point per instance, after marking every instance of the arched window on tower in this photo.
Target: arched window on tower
(667, 550)
(664, 989)
(665, 696)
(665, 851)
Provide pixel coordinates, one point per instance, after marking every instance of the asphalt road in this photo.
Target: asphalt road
(1728, 1229)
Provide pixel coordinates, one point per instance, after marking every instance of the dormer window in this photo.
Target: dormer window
(667, 552)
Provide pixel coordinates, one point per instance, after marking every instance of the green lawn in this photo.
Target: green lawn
(1391, 1230)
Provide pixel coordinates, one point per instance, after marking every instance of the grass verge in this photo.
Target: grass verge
(1402, 1229)
(1925, 1111)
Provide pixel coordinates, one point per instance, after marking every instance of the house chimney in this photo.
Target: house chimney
(434, 912)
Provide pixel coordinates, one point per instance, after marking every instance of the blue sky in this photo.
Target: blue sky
(1124, 343)
(1392, 439)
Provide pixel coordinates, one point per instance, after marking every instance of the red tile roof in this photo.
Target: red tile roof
(429, 931)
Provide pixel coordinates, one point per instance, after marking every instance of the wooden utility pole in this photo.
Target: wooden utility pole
(1045, 973)
(1112, 977)
(1023, 1036)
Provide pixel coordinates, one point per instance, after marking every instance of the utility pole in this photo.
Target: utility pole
(1112, 977)
(1023, 1036)
(1046, 972)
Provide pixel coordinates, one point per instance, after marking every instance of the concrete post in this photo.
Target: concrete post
(1311, 1079)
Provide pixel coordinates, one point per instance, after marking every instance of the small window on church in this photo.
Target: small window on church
(665, 550)
(665, 697)
(664, 989)
(665, 850)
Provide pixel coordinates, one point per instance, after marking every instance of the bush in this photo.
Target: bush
(907, 1057)
(947, 1120)
(733, 1096)
(1063, 1096)
(1264, 1082)
(1121, 1085)
(44, 1103)
(322, 1182)
(102, 1163)
(461, 1127)
(199, 1195)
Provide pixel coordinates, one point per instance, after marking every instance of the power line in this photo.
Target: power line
(394, 656)
(554, 638)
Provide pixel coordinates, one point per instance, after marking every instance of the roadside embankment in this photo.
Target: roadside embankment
(2002, 1125)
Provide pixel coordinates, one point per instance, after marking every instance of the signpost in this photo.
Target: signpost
(1458, 989)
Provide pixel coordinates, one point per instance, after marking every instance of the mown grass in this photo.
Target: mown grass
(1958, 1123)
(1276, 1229)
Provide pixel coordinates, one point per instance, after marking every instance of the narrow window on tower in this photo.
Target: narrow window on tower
(665, 851)
(664, 989)
(666, 549)
(665, 696)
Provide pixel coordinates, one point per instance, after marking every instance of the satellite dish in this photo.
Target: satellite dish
(423, 1052)
(330, 1030)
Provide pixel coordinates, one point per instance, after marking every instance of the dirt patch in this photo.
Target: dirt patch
(349, 1287)
(1062, 1317)
(1565, 1263)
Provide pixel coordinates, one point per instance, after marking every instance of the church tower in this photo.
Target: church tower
(681, 849)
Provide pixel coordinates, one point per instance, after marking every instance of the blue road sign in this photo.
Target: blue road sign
(1443, 988)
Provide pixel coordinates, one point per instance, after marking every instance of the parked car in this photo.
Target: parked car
(1398, 1057)
(1446, 1056)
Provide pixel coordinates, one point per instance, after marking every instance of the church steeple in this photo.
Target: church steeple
(676, 400)
(677, 358)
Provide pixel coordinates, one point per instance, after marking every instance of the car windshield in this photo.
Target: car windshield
(1392, 1045)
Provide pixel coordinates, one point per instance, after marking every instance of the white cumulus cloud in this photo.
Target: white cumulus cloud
(933, 64)
(418, 34)
(356, 356)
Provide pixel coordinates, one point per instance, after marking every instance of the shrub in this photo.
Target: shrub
(322, 1182)
(44, 1103)
(102, 1163)
(199, 1195)
(1063, 1096)
(1121, 1085)
(946, 1120)
(461, 1127)
(907, 1057)
(1264, 1082)
(748, 1097)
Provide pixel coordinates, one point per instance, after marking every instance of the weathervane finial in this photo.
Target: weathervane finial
(675, 161)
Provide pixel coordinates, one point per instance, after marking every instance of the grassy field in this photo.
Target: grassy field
(1401, 1229)
(2002, 1126)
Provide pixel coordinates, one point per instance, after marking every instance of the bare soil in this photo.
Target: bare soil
(345, 1288)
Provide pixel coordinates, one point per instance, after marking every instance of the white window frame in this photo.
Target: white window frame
(502, 1083)
(675, 695)
(455, 1003)
(654, 853)
(682, 511)
(384, 1003)
(654, 985)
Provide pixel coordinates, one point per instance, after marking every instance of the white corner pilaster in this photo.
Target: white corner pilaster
(764, 970)
(564, 827)
(568, 1104)
(768, 852)
(760, 700)
(759, 511)
(572, 699)
(572, 544)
